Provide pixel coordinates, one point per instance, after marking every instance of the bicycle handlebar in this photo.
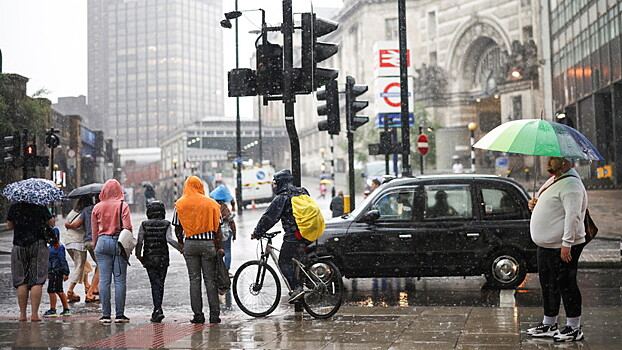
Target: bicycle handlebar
(266, 235)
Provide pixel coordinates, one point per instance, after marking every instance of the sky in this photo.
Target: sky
(46, 41)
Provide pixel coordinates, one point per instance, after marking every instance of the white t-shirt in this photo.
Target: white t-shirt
(557, 218)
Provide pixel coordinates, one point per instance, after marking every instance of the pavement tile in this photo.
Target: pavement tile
(357, 346)
(427, 345)
(429, 336)
(375, 337)
(489, 339)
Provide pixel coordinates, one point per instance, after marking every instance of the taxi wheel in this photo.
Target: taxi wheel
(505, 269)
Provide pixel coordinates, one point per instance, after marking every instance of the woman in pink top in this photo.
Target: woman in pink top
(109, 217)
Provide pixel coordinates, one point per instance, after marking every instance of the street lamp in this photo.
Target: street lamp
(226, 23)
(472, 126)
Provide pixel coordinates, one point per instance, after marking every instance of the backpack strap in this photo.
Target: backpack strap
(556, 180)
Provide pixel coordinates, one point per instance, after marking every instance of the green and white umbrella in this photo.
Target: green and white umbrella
(539, 137)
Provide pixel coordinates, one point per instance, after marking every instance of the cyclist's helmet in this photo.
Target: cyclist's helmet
(156, 210)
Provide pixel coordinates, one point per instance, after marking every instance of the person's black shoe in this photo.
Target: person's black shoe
(213, 320)
(157, 316)
(121, 319)
(200, 319)
(295, 295)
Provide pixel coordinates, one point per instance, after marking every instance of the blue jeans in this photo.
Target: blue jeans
(111, 264)
(201, 262)
(226, 245)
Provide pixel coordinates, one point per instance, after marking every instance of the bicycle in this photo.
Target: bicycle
(257, 288)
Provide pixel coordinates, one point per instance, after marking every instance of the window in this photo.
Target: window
(396, 205)
(517, 107)
(391, 29)
(500, 204)
(432, 24)
(447, 202)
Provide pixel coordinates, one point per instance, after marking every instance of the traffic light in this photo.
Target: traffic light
(330, 94)
(52, 140)
(314, 52)
(30, 151)
(353, 106)
(269, 69)
(11, 148)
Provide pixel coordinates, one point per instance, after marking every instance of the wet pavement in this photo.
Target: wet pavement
(386, 313)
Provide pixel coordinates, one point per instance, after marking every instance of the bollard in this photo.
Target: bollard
(346, 204)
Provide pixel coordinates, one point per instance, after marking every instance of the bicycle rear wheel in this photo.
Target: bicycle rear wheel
(324, 299)
(256, 289)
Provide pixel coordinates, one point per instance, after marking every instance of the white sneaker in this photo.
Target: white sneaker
(543, 330)
(570, 334)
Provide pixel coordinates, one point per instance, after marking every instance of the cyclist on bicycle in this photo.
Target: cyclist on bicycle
(293, 243)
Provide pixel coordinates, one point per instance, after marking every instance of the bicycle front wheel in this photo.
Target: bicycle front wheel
(323, 299)
(256, 289)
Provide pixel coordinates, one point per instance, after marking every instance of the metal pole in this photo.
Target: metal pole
(386, 155)
(288, 95)
(406, 171)
(332, 164)
(23, 150)
(421, 155)
(238, 126)
(260, 133)
(472, 151)
(174, 181)
(350, 137)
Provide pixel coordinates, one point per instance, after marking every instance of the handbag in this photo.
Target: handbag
(126, 240)
(223, 281)
(590, 227)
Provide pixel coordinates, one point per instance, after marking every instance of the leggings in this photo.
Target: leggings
(558, 280)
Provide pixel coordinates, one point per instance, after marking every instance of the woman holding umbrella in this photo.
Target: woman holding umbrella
(29, 255)
(74, 243)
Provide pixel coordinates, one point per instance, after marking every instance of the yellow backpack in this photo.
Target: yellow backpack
(308, 217)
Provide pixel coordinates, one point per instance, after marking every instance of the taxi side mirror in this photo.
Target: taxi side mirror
(371, 216)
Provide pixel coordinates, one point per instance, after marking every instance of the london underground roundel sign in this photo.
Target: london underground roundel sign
(422, 144)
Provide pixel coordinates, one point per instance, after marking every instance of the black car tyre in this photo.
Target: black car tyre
(254, 300)
(505, 269)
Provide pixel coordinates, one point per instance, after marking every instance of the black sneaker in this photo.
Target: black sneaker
(121, 319)
(157, 316)
(199, 319)
(296, 294)
(213, 320)
(105, 320)
(569, 334)
(543, 330)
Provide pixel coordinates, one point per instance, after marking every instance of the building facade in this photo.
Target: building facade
(153, 66)
(587, 78)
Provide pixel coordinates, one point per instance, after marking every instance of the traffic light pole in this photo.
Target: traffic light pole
(288, 93)
(238, 132)
(332, 164)
(25, 165)
(406, 170)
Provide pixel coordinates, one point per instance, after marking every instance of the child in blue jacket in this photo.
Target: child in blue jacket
(58, 272)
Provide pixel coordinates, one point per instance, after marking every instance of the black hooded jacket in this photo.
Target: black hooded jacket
(281, 209)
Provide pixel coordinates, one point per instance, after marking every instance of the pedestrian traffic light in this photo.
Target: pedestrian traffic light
(313, 52)
(11, 148)
(52, 140)
(330, 94)
(269, 69)
(30, 151)
(353, 106)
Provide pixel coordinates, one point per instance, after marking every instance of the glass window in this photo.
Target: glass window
(499, 204)
(391, 29)
(448, 202)
(396, 205)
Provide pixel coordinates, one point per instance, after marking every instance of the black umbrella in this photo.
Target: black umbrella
(86, 190)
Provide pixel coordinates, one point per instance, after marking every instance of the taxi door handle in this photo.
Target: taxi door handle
(472, 234)
(406, 236)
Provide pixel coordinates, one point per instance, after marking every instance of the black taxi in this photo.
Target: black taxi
(450, 225)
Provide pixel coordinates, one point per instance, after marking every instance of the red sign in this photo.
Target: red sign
(422, 144)
(386, 95)
(391, 58)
